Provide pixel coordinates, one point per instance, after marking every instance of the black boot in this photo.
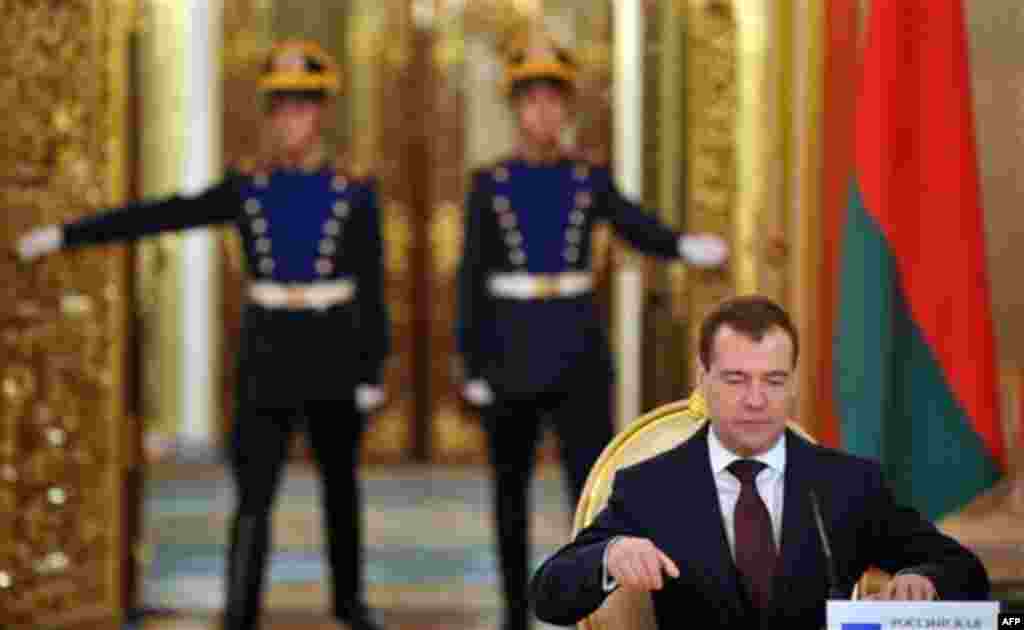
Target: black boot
(358, 617)
(246, 563)
(516, 619)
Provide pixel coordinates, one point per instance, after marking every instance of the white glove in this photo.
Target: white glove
(478, 392)
(369, 397)
(703, 250)
(39, 242)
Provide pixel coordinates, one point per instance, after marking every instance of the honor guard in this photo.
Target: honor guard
(315, 331)
(531, 339)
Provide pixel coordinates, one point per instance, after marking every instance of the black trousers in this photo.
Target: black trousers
(582, 418)
(257, 454)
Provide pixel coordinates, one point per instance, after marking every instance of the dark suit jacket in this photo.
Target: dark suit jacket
(672, 500)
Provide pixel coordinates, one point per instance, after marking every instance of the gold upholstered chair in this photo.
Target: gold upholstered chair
(651, 434)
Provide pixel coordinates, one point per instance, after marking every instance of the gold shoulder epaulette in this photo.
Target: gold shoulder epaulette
(254, 166)
(246, 165)
(496, 168)
(355, 170)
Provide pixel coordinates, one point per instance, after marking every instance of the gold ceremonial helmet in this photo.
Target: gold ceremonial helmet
(532, 55)
(299, 66)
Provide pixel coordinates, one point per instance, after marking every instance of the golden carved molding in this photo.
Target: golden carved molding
(398, 234)
(62, 320)
(446, 239)
(379, 40)
(454, 435)
(712, 60)
(391, 436)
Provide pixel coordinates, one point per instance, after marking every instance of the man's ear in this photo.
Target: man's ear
(702, 379)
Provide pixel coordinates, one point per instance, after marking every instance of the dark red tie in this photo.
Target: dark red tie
(755, 545)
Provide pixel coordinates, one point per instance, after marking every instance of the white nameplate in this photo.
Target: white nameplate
(872, 615)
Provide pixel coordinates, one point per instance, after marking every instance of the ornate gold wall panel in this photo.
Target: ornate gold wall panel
(712, 117)
(62, 320)
(379, 44)
(734, 102)
(454, 434)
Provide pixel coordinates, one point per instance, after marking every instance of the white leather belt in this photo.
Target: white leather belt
(539, 286)
(314, 295)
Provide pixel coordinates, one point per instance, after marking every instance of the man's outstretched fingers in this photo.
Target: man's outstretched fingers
(669, 566)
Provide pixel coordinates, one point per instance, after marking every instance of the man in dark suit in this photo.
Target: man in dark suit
(315, 330)
(722, 527)
(531, 338)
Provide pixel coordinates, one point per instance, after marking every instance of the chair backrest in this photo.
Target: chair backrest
(649, 435)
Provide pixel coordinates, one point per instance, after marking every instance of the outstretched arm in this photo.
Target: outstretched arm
(649, 235)
(217, 204)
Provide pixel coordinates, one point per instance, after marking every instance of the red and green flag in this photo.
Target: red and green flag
(915, 365)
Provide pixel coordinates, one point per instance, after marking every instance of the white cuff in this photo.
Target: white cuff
(703, 250)
(40, 242)
(368, 397)
(478, 392)
(608, 582)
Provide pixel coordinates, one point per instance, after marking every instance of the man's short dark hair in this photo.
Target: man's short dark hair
(750, 315)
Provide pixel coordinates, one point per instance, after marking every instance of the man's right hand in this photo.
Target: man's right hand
(39, 242)
(635, 563)
(478, 393)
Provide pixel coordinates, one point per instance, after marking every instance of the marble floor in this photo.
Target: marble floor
(430, 554)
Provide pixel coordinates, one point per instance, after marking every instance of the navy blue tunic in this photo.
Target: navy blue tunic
(297, 227)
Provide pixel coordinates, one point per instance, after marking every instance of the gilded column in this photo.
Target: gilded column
(161, 91)
(199, 263)
(764, 147)
(628, 169)
(177, 274)
(805, 230)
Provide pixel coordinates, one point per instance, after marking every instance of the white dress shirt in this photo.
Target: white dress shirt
(770, 485)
